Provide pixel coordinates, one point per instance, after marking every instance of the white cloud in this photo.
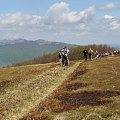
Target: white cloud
(88, 12)
(70, 17)
(60, 13)
(58, 7)
(18, 25)
(115, 25)
(55, 13)
(58, 23)
(111, 22)
(19, 19)
(82, 16)
(82, 26)
(108, 17)
(109, 6)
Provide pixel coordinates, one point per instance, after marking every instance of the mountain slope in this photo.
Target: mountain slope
(84, 90)
(22, 88)
(91, 92)
(14, 51)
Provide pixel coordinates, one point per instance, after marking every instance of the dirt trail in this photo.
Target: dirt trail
(19, 101)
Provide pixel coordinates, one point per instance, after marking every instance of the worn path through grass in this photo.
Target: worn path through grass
(91, 92)
(23, 88)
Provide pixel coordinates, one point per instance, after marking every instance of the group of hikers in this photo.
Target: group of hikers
(63, 55)
(95, 55)
(88, 52)
(92, 55)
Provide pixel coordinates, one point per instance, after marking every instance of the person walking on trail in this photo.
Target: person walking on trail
(60, 58)
(85, 52)
(90, 52)
(96, 54)
(64, 55)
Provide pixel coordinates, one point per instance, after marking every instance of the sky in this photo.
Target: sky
(71, 21)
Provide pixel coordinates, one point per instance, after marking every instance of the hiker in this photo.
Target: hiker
(106, 54)
(60, 58)
(90, 52)
(115, 52)
(111, 53)
(96, 55)
(64, 55)
(85, 52)
(118, 52)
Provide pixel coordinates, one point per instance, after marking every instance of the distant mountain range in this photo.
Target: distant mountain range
(14, 51)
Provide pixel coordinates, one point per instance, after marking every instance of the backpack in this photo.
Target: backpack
(64, 52)
(59, 55)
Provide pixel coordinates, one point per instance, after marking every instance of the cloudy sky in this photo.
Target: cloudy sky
(71, 21)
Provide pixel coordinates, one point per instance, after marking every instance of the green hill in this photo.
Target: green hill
(20, 50)
(83, 91)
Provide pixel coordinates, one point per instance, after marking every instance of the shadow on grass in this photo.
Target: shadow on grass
(4, 85)
(70, 101)
(77, 73)
(75, 86)
(35, 118)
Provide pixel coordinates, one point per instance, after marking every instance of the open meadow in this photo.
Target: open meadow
(83, 91)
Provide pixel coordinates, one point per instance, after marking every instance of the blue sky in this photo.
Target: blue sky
(71, 21)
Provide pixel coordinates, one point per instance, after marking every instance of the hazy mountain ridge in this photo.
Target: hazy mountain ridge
(13, 51)
(22, 41)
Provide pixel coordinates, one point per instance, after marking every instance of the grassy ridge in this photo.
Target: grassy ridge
(84, 91)
(91, 92)
(23, 88)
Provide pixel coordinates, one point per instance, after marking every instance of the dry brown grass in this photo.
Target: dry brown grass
(23, 88)
(91, 92)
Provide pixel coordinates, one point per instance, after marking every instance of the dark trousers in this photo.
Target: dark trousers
(90, 56)
(64, 61)
(85, 56)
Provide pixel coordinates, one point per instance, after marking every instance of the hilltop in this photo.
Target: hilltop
(83, 91)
